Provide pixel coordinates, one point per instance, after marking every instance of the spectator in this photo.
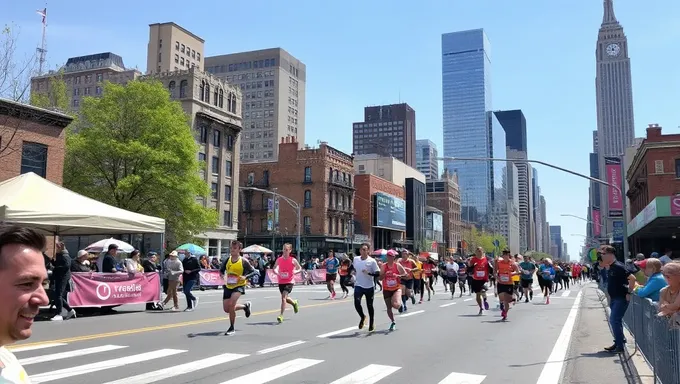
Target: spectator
(669, 301)
(172, 270)
(191, 267)
(667, 257)
(655, 282)
(132, 263)
(107, 263)
(150, 266)
(81, 263)
(620, 283)
(62, 278)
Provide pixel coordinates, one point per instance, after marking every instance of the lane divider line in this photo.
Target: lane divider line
(280, 347)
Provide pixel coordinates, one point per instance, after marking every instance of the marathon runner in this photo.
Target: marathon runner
(345, 272)
(366, 268)
(428, 266)
(547, 272)
(331, 263)
(462, 276)
(516, 279)
(235, 272)
(451, 274)
(527, 278)
(391, 273)
(481, 271)
(505, 269)
(418, 281)
(285, 269)
(406, 281)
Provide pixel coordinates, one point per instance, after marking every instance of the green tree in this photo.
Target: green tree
(55, 97)
(134, 149)
(537, 255)
(476, 238)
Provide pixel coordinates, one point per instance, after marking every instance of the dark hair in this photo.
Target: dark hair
(20, 235)
(236, 242)
(113, 246)
(609, 249)
(134, 253)
(367, 245)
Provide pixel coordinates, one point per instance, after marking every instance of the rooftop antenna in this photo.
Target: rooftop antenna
(42, 50)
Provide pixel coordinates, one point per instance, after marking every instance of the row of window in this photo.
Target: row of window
(87, 91)
(186, 50)
(336, 226)
(215, 165)
(218, 97)
(215, 191)
(180, 60)
(249, 76)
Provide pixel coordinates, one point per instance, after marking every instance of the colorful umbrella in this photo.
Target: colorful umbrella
(103, 246)
(191, 248)
(380, 252)
(255, 249)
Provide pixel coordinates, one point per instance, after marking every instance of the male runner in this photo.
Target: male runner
(462, 276)
(286, 268)
(391, 273)
(480, 276)
(548, 274)
(527, 278)
(331, 263)
(366, 269)
(505, 269)
(406, 281)
(451, 276)
(235, 272)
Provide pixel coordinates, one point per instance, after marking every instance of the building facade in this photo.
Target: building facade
(556, 241)
(85, 76)
(434, 230)
(273, 84)
(319, 180)
(374, 197)
(32, 140)
(444, 195)
(416, 203)
(388, 168)
(466, 99)
(515, 126)
(387, 130)
(546, 226)
(214, 107)
(524, 197)
(173, 48)
(426, 159)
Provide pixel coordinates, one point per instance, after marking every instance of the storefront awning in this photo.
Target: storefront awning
(660, 218)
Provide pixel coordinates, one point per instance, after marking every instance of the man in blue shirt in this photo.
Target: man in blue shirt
(331, 263)
(620, 283)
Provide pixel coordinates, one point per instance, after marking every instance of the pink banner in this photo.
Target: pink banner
(106, 289)
(614, 178)
(675, 205)
(317, 276)
(210, 278)
(597, 223)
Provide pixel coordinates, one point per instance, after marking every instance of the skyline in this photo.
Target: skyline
(554, 87)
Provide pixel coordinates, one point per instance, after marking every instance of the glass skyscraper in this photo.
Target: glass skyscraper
(470, 130)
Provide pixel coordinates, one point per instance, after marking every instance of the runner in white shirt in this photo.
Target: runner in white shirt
(366, 269)
(22, 272)
(451, 274)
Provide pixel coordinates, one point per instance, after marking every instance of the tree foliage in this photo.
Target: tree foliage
(476, 238)
(15, 72)
(538, 255)
(134, 149)
(56, 97)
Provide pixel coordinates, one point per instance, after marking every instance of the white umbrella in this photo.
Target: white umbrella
(255, 249)
(103, 246)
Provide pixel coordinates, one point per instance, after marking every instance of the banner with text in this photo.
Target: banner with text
(617, 231)
(107, 289)
(675, 205)
(597, 222)
(613, 172)
(209, 278)
(317, 276)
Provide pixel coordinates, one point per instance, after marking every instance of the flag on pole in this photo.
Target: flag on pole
(43, 13)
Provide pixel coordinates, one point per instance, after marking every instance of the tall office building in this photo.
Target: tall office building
(173, 48)
(426, 159)
(387, 130)
(466, 101)
(273, 86)
(525, 192)
(535, 207)
(515, 125)
(545, 238)
(556, 241)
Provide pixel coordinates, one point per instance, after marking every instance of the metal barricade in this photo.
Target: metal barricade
(654, 338)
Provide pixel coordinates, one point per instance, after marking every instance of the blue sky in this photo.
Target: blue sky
(362, 53)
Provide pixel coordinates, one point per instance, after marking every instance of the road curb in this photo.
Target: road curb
(636, 367)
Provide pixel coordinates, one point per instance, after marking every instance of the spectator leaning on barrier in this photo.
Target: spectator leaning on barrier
(655, 281)
(620, 283)
(22, 273)
(669, 300)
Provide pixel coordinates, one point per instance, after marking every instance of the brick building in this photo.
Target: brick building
(444, 195)
(654, 193)
(32, 140)
(367, 186)
(320, 180)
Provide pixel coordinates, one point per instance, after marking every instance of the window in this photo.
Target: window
(177, 45)
(265, 177)
(227, 168)
(230, 142)
(182, 49)
(221, 99)
(203, 133)
(76, 103)
(330, 226)
(193, 54)
(207, 93)
(216, 138)
(201, 90)
(308, 199)
(183, 88)
(308, 175)
(100, 77)
(97, 90)
(307, 222)
(215, 94)
(201, 157)
(263, 225)
(658, 166)
(249, 225)
(34, 158)
(176, 58)
(227, 193)
(677, 168)
(213, 191)
(215, 164)
(171, 88)
(198, 57)
(227, 219)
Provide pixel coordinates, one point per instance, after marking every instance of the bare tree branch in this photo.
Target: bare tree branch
(15, 73)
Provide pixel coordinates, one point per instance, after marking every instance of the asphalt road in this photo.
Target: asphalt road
(441, 341)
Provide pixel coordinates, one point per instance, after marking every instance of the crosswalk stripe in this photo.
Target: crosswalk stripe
(412, 313)
(462, 378)
(272, 373)
(337, 332)
(447, 305)
(162, 374)
(102, 365)
(69, 354)
(19, 348)
(368, 375)
(566, 293)
(280, 347)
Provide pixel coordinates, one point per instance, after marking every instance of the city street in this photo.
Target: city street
(441, 341)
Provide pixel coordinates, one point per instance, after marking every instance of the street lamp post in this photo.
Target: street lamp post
(290, 202)
(584, 219)
(619, 188)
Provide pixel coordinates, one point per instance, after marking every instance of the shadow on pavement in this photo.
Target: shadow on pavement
(46, 314)
(214, 333)
(264, 323)
(348, 336)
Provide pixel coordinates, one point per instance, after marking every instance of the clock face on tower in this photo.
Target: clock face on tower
(613, 50)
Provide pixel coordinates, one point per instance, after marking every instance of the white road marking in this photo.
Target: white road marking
(412, 313)
(19, 348)
(69, 354)
(447, 305)
(566, 293)
(370, 374)
(553, 367)
(102, 365)
(470, 299)
(280, 347)
(462, 378)
(167, 373)
(272, 373)
(337, 332)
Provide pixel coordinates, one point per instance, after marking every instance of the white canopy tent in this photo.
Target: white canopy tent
(30, 200)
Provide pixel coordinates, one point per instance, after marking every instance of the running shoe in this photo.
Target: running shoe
(296, 306)
(230, 331)
(504, 315)
(393, 326)
(279, 319)
(362, 322)
(413, 300)
(195, 303)
(371, 328)
(247, 308)
(486, 305)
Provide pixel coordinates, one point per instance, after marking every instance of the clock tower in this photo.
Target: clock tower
(615, 125)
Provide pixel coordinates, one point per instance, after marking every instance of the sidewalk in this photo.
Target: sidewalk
(586, 361)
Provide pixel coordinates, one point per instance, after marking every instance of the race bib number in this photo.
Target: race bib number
(391, 283)
(527, 272)
(504, 278)
(284, 275)
(480, 273)
(231, 279)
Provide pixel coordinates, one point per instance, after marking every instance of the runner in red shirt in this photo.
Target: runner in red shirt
(480, 276)
(428, 266)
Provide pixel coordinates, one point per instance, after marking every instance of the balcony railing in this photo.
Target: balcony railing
(340, 208)
(339, 181)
